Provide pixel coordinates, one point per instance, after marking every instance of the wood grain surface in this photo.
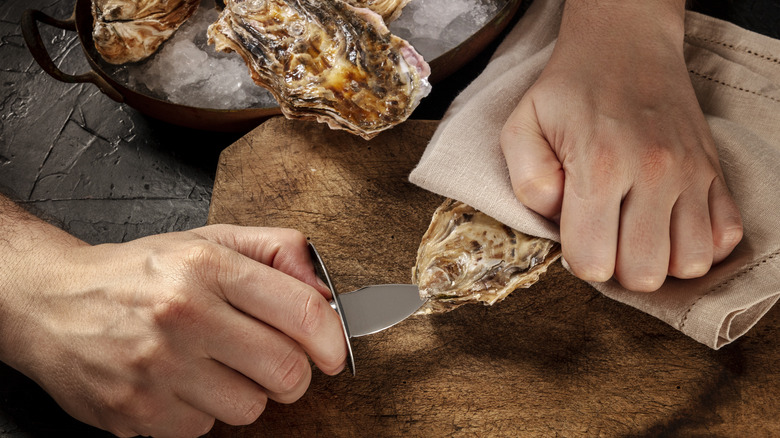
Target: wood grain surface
(557, 359)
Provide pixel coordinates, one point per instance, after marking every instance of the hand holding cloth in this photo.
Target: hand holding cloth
(736, 78)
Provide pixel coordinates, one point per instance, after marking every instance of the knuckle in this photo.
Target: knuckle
(177, 310)
(309, 314)
(691, 265)
(181, 263)
(730, 236)
(294, 237)
(543, 194)
(523, 190)
(250, 414)
(194, 425)
(334, 363)
(287, 243)
(642, 276)
(150, 360)
(691, 258)
(290, 371)
(641, 282)
(658, 162)
(599, 169)
(521, 126)
(121, 430)
(591, 272)
(601, 156)
(200, 255)
(206, 265)
(589, 268)
(532, 186)
(693, 174)
(146, 357)
(691, 270)
(281, 240)
(221, 228)
(135, 404)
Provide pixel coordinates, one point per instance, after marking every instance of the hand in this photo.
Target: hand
(162, 335)
(611, 142)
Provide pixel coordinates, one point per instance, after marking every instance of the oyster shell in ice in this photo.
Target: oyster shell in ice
(388, 9)
(467, 256)
(132, 30)
(325, 60)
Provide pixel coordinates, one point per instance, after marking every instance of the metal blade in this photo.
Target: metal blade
(375, 308)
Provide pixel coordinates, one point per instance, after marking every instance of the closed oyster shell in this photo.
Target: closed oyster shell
(132, 30)
(467, 256)
(388, 9)
(325, 60)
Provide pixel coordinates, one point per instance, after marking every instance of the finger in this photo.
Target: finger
(223, 393)
(261, 353)
(690, 236)
(534, 169)
(281, 248)
(589, 226)
(726, 220)
(175, 418)
(281, 301)
(643, 240)
(186, 422)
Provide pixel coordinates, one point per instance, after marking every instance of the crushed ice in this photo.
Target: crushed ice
(188, 71)
(435, 26)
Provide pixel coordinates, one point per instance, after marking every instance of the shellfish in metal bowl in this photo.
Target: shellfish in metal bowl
(325, 60)
(132, 30)
(388, 9)
(444, 52)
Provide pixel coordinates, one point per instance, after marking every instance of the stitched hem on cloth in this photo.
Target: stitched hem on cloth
(768, 58)
(735, 87)
(720, 285)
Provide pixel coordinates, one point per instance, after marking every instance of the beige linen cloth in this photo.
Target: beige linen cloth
(736, 75)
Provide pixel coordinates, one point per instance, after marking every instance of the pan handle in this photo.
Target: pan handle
(32, 36)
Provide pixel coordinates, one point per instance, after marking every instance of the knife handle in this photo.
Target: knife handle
(322, 273)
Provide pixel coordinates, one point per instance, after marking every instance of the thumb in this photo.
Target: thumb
(534, 169)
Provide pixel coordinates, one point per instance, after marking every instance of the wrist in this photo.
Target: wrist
(32, 266)
(614, 21)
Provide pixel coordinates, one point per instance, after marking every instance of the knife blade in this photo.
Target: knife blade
(369, 309)
(372, 309)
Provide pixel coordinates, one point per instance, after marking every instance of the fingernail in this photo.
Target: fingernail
(322, 283)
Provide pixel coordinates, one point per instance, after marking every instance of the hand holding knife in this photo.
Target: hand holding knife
(369, 309)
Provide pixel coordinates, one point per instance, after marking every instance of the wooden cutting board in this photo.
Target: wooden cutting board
(555, 359)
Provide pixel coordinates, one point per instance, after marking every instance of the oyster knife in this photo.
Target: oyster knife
(369, 309)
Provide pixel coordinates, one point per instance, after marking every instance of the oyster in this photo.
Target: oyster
(388, 9)
(325, 60)
(132, 30)
(467, 256)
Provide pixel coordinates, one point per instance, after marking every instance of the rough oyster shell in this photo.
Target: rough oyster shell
(132, 30)
(467, 256)
(325, 60)
(388, 9)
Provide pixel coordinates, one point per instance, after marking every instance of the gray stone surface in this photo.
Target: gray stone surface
(100, 169)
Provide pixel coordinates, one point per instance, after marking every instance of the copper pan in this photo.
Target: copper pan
(234, 120)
